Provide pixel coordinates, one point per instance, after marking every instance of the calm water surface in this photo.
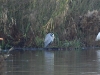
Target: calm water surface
(73, 62)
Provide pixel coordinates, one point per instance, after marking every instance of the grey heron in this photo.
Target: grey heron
(49, 38)
(98, 37)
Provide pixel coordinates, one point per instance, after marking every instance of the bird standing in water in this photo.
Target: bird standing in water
(98, 37)
(49, 38)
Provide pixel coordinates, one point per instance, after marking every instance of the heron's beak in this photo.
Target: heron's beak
(1, 38)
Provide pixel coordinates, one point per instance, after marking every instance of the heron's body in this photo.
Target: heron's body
(48, 39)
(98, 37)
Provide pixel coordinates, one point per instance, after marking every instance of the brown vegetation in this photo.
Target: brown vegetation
(89, 26)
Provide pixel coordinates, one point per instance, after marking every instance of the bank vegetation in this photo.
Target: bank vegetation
(24, 23)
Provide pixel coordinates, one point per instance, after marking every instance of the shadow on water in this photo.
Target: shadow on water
(49, 62)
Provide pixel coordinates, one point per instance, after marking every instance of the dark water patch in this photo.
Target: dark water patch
(53, 62)
(53, 48)
(33, 49)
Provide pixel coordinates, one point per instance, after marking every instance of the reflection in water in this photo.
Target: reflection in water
(2, 66)
(49, 63)
(98, 60)
(98, 55)
(74, 62)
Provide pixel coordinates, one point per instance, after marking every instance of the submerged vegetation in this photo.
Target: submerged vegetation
(24, 23)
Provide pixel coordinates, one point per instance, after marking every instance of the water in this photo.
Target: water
(73, 62)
